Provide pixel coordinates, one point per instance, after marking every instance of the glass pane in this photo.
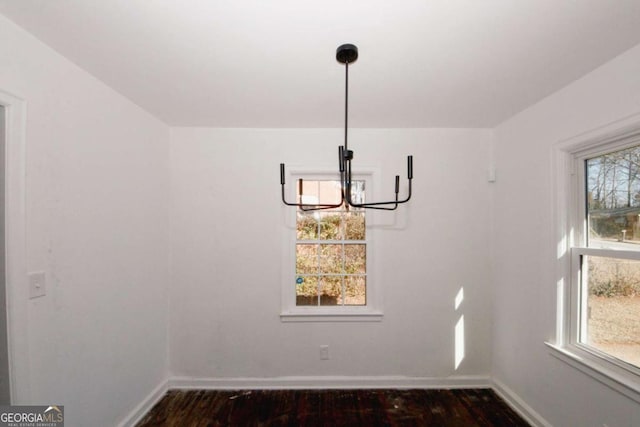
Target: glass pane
(354, 225)
(331, 226)
(319, 192)
(306, 226)
(612, 315)
(329, 192)
(355, 290)
(331, 259)
(306, 290)
(330, 274)
(613, 199)
(310, 192)
(357, 192)
(355, 259)
(306, 259)
(331, 290)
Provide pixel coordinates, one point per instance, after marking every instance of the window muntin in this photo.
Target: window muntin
(331, 248)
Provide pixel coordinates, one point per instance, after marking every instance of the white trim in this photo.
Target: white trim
(607, 134)
(145, 406)
(328, 382)
(319, 315)
(518, 404)
(612, 379)
(577, 251)
(15, 241)
(568, 238)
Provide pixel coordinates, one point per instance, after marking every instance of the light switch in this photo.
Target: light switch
(324, 352)
(37, 284)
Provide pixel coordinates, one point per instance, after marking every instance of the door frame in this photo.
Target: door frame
(15, 247)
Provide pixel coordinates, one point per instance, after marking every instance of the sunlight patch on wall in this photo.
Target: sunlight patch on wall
(459, 335)
(562, 247)
(459, 298)
(459, 331)
(560, 292)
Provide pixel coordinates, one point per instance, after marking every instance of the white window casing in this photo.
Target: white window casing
(290, 312)
(570, 240)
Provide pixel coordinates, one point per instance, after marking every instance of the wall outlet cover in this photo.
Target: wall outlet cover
(324, 352)
(37, 284)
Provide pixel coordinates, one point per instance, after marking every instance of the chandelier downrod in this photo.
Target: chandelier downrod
(347, 54)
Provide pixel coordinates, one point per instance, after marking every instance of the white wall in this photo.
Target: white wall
(524, 246)
(97, 183)
(97, 224)
(227, 233)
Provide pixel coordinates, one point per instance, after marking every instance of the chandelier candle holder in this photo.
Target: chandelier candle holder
(348, 54)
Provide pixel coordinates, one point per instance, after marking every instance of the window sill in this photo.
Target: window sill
(613, 379)
(330, 315)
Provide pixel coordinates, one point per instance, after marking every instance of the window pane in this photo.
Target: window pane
(330, 273)
(357, 192)
(612, 314)
(355, 259)
(306, 290)
(306, 259)
(306, 226)
(354, 225)
(331, 226)
(331, 259)
(355, 290)
(319, 192)
(613, 199)
(331, 290)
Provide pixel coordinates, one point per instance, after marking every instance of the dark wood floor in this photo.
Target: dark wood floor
(370, 408)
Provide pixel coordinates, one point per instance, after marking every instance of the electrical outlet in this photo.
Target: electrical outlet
(37, 284)
(491, 174)
(324, 352)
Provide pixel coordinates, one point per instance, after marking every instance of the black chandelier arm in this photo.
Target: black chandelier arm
(305, 206)
(309, 207)
(375, 205)
(394, 202)
(380, 205)
(383, 206)
(372, 205)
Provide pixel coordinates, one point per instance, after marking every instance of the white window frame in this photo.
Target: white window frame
(570, 241)
(372, 311)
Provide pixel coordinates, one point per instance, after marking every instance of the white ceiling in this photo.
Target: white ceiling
(258, 63)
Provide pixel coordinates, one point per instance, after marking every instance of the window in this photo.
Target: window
(328, 256)
(331, 249)
(599, 257)
(609, 257)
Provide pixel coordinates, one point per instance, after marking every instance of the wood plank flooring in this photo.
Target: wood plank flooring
(332, 408)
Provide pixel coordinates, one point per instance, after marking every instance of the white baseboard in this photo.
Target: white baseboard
(519, 405)
(335, 382)
(145, 406)
(328, 382)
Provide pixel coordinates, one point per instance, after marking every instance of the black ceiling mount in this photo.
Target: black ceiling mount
(347, 53)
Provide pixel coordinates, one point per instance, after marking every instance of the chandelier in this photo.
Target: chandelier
(348, 54)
